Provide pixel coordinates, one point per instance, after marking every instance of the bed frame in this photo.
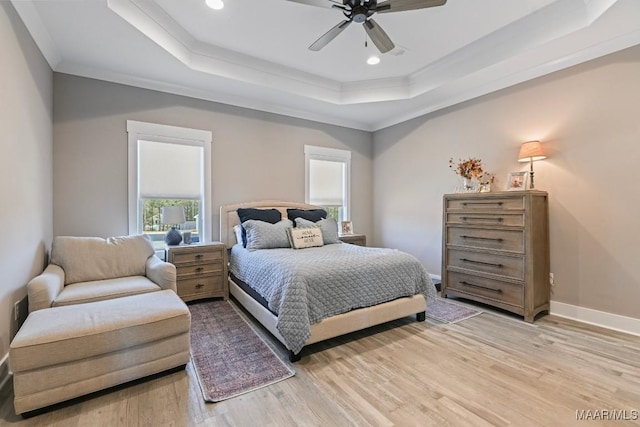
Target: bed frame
(330, 327)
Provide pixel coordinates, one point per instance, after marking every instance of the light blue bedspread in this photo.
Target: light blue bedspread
(307, 285)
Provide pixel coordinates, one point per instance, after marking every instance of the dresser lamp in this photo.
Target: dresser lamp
(530, 152)
(172, 215)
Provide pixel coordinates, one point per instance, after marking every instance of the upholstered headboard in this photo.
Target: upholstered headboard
(229, 215)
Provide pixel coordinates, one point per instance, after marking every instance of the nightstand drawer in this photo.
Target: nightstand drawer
(201, 269)
(196, 254)
(487, 263)
(485, 203)
(201, 287)
(504, 240)
(483, 218)
(509, 293)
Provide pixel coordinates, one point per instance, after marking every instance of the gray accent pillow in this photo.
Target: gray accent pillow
(329, 228)
(264, 235)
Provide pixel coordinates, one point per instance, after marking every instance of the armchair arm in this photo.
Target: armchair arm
(162, 273)
(42, 290)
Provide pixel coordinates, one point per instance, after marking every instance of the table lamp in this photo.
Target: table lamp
(172, 215)
(530, 152)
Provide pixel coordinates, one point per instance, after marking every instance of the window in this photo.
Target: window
(169, 166)
(327, 180)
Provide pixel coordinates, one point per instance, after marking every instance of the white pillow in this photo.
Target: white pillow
(237, 230)
(306, 237)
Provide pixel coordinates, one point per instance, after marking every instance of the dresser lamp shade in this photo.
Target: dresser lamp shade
(530, 152)
(172, 215)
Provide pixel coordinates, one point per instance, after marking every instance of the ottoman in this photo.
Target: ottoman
(64, 352)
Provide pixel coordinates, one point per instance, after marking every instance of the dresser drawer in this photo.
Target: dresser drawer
(485, 218)
(487, 263)
(485, 203)
(506, 240)
(200, 269)
(509, 293)
(191, 255)
(201, 287)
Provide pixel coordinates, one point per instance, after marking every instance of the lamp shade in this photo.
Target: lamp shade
(531, 151)
(172, 215)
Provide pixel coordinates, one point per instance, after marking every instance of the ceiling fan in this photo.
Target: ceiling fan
(361, 12)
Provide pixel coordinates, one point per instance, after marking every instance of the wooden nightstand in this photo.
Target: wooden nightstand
(354, 239)
(201, 270)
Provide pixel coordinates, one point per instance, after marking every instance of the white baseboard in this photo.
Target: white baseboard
(616, 322)
(4, 371)
(435, 277)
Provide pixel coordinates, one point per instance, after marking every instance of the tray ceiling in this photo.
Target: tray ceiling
(253, 53)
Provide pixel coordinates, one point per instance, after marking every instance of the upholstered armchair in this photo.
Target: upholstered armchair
(88, 269)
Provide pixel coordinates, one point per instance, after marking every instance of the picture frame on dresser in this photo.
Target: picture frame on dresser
(517, 181)
(346, 227)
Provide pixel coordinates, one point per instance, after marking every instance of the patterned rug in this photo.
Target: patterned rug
(448, 312)
(229, 358)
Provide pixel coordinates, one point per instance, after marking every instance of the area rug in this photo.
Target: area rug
(228, 356)
(449, 312)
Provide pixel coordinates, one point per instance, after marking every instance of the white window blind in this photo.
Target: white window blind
(170, 171)
(327, 179)
(326, 182)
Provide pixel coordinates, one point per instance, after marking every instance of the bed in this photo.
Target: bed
(349, 265)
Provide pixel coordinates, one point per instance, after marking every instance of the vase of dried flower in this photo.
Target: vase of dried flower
(468, 185)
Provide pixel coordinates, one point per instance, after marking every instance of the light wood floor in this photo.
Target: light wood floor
(492, 369)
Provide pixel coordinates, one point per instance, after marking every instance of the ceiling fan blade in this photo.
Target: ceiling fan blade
(401, 5)
(329, 35)
(319, 3)
(378, 36)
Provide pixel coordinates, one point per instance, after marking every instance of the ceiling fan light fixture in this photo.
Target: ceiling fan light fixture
(215, 4)
(373, 60)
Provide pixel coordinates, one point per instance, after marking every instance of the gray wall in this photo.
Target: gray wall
(256, 155)
(25, 175)
(588, 118)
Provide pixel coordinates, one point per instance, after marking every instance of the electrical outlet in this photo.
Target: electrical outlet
(551, 279)
(16, 311)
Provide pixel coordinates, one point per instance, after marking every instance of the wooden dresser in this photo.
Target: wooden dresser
(201, 270)
(496, 249)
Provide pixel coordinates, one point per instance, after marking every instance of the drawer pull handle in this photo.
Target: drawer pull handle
(199, 269)
(481, 287)
(481, 262)
(199, 286)
(482, 203)
(482, 218)
(198, 256)
(483, 238)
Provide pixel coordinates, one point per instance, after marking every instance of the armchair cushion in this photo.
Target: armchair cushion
(100, 290)
(86, 259)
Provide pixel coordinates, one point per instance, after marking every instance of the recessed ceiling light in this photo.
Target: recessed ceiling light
(215, 4)
(373, 60)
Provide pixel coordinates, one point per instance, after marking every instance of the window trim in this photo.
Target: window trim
(171, 134)
(312, 152)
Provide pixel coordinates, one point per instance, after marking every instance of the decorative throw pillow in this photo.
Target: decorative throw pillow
(263, 235)
(313, 215)
(329, 228)
(267, 215)
(306, 237)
